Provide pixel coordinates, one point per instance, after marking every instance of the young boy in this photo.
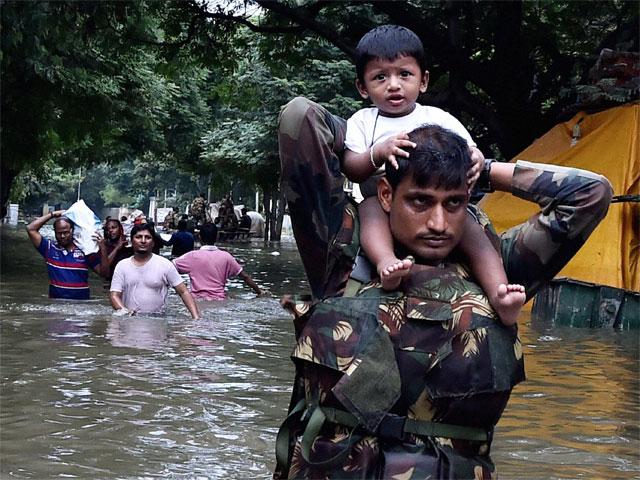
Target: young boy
(391, 71)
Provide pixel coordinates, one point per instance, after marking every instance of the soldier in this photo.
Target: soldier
(198, 209)
(171, 219)
(410, 383)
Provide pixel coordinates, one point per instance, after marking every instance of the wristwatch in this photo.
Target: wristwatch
(484, 181)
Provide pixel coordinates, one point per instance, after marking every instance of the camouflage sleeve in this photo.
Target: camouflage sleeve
(572, 202)
(311, 142)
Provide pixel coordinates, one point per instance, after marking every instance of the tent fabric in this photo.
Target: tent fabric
(605, 143)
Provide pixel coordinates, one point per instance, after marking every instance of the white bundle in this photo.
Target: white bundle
(86, 224)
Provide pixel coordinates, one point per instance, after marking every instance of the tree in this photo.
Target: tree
(244, 137)
(83, 83)
(499, 66)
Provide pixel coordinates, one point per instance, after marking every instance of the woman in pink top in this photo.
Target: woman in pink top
(209, 267)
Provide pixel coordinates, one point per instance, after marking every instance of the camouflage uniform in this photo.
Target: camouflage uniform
(198, 210)
(169, 222)
(385, 380)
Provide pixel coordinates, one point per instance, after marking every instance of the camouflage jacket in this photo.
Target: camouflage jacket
(198, 208)
(384, 381)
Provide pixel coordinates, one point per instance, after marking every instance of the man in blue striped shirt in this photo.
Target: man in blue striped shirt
(67, 266)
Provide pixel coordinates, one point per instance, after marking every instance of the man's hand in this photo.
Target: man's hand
(477, 163)
(99, 239)
(391, 148)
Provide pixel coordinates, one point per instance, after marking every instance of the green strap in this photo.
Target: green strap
(434, 429)
(283, 438)
(417, 427)
(314, 426)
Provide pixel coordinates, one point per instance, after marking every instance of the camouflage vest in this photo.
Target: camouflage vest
(390, 379)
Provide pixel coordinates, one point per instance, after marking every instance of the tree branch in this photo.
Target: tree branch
(306, 17)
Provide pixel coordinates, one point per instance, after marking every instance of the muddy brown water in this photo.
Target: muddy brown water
(89, 395)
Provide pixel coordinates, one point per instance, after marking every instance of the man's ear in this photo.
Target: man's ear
(385, 194)
(362, 89)
(425, 81)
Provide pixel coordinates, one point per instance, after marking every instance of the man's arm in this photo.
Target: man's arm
(33, 229)
(249, 281)
(116, 301)
(572, 203)
(188, 300)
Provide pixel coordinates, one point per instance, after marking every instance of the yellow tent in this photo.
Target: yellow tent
(605, 143)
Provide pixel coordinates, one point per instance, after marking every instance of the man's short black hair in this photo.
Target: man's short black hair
(66, 220)
(182, 224)
(388, 42)
(441, 159)
(208, 234)
(144, 226)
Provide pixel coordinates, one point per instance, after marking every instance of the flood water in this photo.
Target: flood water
(88, 395)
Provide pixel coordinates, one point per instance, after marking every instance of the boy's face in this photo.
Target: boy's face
(427, 222)
(393, 85)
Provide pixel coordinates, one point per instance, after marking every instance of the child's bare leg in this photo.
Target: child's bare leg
(486, 265)
(377, 242)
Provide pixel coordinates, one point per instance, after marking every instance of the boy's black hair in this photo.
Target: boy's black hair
(208, 234)
(441, 159)
(388, 42)
(182, 224)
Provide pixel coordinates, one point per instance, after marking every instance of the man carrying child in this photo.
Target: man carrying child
(410, 381)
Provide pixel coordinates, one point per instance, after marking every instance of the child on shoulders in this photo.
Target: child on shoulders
(391, 72)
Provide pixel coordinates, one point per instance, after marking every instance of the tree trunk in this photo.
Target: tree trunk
(266, 200)
(279, 216)
(274, 219)
(7, 175)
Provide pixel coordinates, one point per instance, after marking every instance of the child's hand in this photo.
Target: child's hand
(391, 148)
(477, 164)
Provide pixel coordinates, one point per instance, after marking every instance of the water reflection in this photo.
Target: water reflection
(149, 333)
(89, 395)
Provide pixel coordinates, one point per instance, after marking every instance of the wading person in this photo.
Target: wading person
(410, 383)
(67, 266)
(209, 268)
(116, 245)
(140, 283)
(181, 241)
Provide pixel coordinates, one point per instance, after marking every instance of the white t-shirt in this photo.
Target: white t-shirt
(366, 127)
(144, 289)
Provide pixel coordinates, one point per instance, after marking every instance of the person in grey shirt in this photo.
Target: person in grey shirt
(140, 283)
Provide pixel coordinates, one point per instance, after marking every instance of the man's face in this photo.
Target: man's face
(427, 222)
(393, 85)
(64, 233)
(142, 242)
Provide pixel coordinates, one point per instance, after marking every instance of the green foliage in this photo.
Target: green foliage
(83, 84)
(147, 95)
(244, 136)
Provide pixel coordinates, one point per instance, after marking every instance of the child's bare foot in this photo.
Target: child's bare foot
(392, 270)
(508, 302)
